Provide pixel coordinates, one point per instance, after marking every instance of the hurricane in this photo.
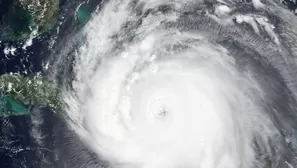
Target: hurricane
(186, 84)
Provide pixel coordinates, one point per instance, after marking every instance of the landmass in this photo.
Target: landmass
(20, 20)
(29, 92)
(21, 17)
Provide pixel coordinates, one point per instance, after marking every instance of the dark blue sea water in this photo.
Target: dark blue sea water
(18, 147)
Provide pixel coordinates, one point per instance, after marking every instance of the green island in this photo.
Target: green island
(19, 93)
(21, 17)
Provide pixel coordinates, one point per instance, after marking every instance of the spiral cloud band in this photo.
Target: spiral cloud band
(190, 109)
(157, 87)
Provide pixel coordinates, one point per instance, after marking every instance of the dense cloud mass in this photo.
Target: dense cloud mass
(185, 83)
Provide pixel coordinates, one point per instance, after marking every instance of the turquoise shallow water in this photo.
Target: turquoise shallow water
(84, 13)
(10, 107)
